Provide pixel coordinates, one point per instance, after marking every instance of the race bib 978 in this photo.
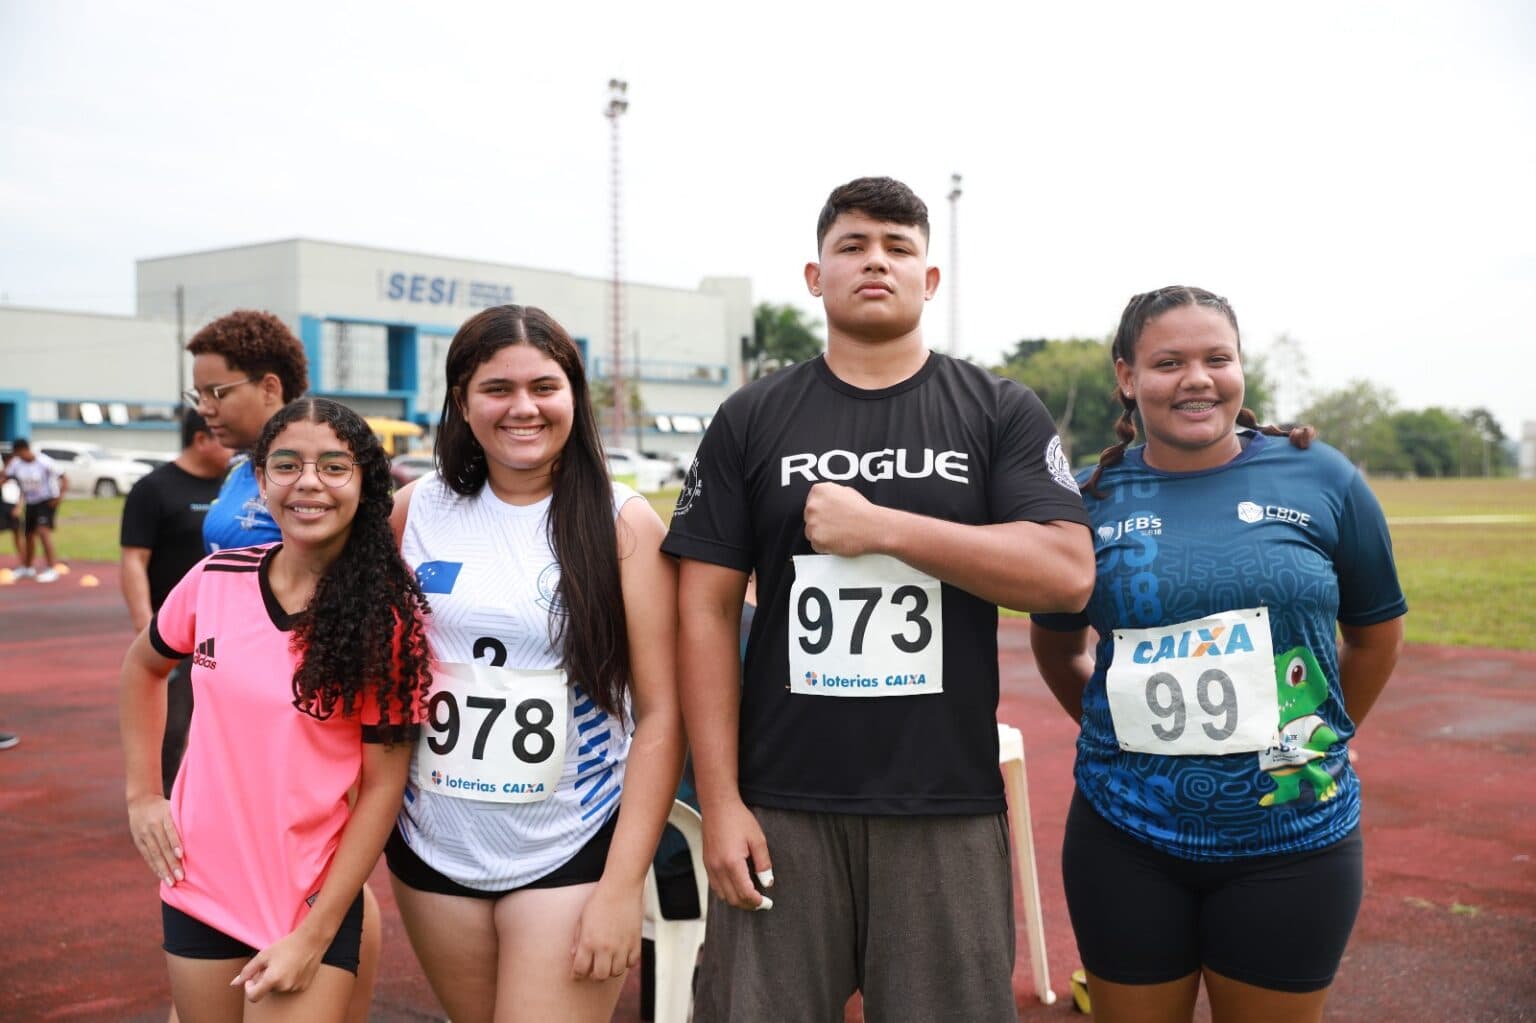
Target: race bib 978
(493, 734)
(865, 626)
(1199, 687)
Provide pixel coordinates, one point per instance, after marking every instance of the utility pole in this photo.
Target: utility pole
(954, 265)
(618, 103)
(181, 343)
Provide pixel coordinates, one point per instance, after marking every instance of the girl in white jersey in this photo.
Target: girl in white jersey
(554, 742)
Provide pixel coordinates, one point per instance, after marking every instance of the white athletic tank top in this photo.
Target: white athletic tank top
(490, 574)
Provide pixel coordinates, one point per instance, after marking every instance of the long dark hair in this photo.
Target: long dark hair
(363, 625)
(592, 632)
(1141, 310)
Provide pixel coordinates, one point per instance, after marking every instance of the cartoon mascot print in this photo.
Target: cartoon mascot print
(1304, 737)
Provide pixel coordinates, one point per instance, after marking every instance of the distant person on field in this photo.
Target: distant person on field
(11, 509)
(42, 488)
(161, 539)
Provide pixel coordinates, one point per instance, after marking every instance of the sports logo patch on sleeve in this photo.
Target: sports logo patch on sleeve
(693, 485)
(438, 576)
(1060, 468)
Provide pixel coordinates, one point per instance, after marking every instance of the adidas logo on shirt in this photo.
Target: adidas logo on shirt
(203, 655)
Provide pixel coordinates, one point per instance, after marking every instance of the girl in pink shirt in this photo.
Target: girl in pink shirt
(310, 668)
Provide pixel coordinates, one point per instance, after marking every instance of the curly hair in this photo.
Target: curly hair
(592, 632)
(256, 343)
(1141, 310)
(363, 625)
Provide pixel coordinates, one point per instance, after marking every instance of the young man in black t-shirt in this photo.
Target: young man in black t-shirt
(162, 538)
(888, 498)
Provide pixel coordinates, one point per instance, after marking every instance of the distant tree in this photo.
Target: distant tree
(781, 335)
(1431, 441)
(1076, 381)
(1357, 419)
(1286, 363)
(1494, 457)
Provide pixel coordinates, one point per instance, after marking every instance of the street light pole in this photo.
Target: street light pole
(954, 265)
(618, 103)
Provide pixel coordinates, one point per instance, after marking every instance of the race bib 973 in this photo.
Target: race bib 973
(1202, 687)
(493, 734)
(865, 626)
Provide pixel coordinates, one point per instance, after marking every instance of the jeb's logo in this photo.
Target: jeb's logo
(1212, 642)
(203, 655)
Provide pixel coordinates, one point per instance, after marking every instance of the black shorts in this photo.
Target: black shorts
(1144, 917)
(40, 516)
(583, 868)
(190, 938)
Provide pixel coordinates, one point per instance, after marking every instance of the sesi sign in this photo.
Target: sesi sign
(425, 289)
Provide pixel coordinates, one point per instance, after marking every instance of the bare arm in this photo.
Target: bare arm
(135, 584)
(709, 672)
(1027, 566)
(290, 963)
(1366, 659)
(608, 937)
(141, 720)
(1065, 660)
(400, 510)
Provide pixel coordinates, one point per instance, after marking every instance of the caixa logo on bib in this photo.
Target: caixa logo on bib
(887, 463)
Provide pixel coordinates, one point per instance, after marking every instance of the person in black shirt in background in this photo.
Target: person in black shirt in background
(161, 538)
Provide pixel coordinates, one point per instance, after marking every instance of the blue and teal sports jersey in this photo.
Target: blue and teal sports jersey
(1295, 532)
(238, 517)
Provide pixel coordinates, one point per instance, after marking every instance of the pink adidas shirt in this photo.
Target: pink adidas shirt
(261, 797)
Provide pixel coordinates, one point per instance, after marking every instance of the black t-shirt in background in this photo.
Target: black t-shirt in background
(164, 512)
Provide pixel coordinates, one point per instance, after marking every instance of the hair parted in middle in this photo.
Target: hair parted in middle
(363, 625)
(589, 624)
(884, 199)
(1141, 310)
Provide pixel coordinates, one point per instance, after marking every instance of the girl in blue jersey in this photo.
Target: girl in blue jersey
(1214, 834)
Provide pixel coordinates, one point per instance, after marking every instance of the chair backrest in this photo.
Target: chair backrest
(687, 821)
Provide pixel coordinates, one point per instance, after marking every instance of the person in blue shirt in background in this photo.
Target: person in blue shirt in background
(1214, 834)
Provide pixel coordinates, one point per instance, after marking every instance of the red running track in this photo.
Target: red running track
(1447, 932)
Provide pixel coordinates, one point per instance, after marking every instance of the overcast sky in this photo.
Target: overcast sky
(1358, 175)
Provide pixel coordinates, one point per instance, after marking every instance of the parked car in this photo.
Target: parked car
(153, 459)
(92, 469)
(404, 468)
(644, 474)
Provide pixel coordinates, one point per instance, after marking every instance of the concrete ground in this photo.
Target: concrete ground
(1447, 932)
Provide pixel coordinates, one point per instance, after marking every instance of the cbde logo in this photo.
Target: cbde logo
(1192, 643)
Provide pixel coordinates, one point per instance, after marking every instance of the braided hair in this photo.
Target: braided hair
(1140, 311)
(362, 627)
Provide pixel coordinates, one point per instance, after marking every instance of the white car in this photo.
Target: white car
(646, 475)
(92, 469)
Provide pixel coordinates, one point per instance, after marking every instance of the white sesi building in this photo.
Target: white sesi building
(376, 324)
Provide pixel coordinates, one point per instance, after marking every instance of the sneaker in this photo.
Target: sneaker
(24, 573)
(47, 575)
(8, 739)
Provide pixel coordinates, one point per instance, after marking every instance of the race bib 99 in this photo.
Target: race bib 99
(865, 626)
(1203, 687)
(493, 734)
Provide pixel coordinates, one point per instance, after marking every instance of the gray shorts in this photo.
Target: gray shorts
(916, 912)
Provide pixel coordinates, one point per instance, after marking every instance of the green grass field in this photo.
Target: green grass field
(1466, 551)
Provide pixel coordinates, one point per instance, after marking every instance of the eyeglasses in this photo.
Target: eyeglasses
(285, 469)
(214, 394)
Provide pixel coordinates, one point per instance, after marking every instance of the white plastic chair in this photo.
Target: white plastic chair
(1010, 758)
(676, 943)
